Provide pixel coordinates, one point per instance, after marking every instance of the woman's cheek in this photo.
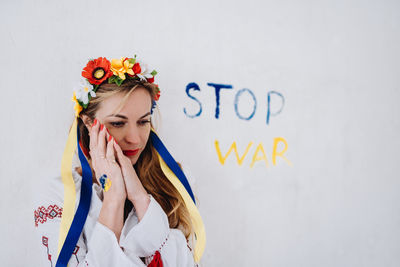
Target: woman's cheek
(116, 134)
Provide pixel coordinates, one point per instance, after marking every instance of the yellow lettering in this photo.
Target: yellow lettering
(257, 158)
(233, 147)
(280, 154)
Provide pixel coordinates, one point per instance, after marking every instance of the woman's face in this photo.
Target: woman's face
(131, 126)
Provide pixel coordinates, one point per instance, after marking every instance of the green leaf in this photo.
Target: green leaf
(115, 79)
(154, 72)
(95, 87)
(132, 60)
(83, 105)
(119, 81)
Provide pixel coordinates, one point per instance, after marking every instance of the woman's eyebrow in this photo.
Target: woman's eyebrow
(124, 117)
(117, 115)
(148, 113)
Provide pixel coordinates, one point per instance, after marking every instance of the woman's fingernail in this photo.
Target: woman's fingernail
(109, 138)
(95, 122)
(101, 127)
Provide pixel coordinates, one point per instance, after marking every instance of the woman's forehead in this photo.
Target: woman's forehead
(136, 105)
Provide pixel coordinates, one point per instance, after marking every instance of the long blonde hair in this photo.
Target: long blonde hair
(148, 166)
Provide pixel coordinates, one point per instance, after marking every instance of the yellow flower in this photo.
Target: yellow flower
(121, 66)
(78, 108)
(107, 185)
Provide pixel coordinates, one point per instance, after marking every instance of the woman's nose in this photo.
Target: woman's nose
(132, 135)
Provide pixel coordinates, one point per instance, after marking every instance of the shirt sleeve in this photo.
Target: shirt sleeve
(153, 234)
(101, 250)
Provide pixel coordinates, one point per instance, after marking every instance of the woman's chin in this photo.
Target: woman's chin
(134, 159)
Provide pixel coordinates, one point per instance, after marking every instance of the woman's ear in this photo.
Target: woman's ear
(87, 121)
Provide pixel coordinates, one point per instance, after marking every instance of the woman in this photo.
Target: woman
(142, 211)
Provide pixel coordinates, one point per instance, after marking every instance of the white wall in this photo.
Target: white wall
(336, 63)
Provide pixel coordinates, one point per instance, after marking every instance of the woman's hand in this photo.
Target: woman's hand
(135, 191)
(103, 162)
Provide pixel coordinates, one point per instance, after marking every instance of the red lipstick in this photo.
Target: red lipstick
(130, 152)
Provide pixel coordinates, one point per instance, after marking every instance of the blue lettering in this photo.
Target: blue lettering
(269, 105)
(218, 87)
(237, 100)
(195, 87)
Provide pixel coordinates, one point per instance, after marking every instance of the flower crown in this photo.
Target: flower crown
(100, 70)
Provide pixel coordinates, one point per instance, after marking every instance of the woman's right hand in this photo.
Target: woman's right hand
(103, 162)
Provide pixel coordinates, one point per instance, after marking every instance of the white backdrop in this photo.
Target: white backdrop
(330, 67)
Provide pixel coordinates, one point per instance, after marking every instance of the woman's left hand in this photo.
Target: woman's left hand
(135, 191)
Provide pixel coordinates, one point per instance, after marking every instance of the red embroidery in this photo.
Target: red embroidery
(42, 214)
(45, 242)
(189, 247)
(75, 250)
(156, 257)
(156, 262)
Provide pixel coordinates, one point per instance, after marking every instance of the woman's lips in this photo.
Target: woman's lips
(130, 152)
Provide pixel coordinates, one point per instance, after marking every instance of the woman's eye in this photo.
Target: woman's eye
(117, 124)
(143, 122)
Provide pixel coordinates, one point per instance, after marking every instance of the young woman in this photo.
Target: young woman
(121, 199)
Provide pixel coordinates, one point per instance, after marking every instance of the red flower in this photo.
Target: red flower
(150, 80)
(97, 70)
(157, 96)
(136, 68)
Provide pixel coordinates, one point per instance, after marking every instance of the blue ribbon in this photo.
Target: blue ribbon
(169, 160)
(86, 195)
(81, 213)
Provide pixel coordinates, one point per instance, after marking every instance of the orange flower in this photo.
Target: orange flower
(97, 70)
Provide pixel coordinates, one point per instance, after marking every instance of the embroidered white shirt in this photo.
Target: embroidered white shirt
(97, 245)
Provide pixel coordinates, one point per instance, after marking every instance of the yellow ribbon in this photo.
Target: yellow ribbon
(69, 186)
(70, 196)
(194, 212)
